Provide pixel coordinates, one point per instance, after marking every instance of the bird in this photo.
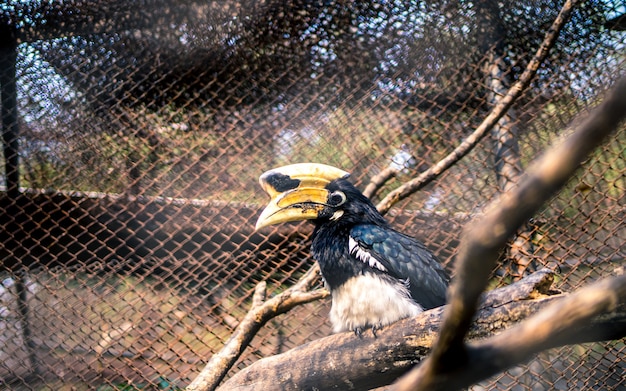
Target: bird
(376, 275)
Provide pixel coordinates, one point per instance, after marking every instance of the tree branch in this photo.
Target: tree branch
(344, 358)
(259, 314)
(344, 361)
(481, 244)
(570, 320)
(566, 321)
(497, 112)
(378, 181)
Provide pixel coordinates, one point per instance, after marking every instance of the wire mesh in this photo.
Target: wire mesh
(129, 253)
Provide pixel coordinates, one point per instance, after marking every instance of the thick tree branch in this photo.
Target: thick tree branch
(344, 361)
(570, 320)
(260, 313)
(567, 320)
(482, 240)
(498, 111)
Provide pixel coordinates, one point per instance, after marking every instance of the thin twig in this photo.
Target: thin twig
(497, 112)
(379, 180)
(260, 313)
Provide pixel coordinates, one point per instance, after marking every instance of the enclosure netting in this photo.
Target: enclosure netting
(129, 252)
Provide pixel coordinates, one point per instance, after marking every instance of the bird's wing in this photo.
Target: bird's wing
(402, 257)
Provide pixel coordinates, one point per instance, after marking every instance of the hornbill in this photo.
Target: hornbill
(376, 275)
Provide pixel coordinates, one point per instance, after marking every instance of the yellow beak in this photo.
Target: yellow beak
(297, 192)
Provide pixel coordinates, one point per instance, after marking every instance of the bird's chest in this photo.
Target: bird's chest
(370, 300)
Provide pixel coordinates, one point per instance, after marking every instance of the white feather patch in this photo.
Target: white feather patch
(370, 300)
(363, 255)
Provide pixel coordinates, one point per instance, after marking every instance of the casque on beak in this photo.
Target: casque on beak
(297, 192)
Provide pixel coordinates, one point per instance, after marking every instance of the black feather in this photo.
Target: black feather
(405, 258)
(402, 258)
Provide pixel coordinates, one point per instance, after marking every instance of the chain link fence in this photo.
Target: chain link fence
(134, 134)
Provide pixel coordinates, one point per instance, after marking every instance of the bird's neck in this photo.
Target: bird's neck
(330, 250)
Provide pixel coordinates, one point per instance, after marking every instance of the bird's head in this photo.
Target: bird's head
(313, 191)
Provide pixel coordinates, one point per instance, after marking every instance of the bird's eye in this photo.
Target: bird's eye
(337, 198)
